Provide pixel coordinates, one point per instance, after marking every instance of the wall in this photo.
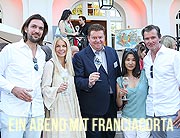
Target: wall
(158, 14)
(139, 13)
(12, 12)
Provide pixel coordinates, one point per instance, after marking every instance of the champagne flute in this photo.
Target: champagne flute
(77, 28)
(65, 79)
(31, 92)
(98, 63)
(125, 82)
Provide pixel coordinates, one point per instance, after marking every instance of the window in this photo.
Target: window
(112, 19)
(178, 24)
(77, 10)
(114, 13)
(0, 15)
(93, 9)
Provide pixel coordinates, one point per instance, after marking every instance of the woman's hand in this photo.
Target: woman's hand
(122, 92)
(76, 33)
(62, 87)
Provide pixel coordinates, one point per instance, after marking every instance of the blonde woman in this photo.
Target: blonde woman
(59, 92)
(169, 42)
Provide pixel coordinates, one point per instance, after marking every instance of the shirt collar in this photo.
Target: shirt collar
(23, 44)
(161, 50)
(102, 50)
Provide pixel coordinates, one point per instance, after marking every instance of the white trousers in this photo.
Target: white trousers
(132, 129)
(21, 127)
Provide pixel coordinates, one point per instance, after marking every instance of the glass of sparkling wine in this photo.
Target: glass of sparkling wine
(65, 79)
(77, 28)
(125, 82)
(98, 63)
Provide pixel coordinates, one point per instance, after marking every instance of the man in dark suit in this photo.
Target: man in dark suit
(83, 26)
(96, 90)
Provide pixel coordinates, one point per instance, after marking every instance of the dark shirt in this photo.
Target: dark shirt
(84, 30)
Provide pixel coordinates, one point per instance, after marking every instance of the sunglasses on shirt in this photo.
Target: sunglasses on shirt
(35, 64)
(151, 71)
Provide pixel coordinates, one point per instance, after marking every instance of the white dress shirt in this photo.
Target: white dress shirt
(163, 97)
(17, 69)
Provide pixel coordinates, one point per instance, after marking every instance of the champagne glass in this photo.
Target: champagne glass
(77, 28)
(65, 79)
(31, 92)
(98, 63)
(125, 82)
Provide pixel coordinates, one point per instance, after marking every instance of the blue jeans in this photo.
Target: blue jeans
(21, 127)
(165, 126)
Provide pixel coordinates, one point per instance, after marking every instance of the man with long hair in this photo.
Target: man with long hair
(21, 70)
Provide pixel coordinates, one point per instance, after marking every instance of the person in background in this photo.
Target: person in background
(74, 50)
(59, 92)
(83, 26)
(21, 70)
(169, 42)
(96, 83)
(136, 93)
(142, 51)
(83, 32)
(2, 45)
(161, 66)
(66, 27)
(47, 51)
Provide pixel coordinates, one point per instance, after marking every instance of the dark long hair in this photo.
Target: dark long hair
(27, 22)
(83, 17)
(65, 14)
(141, 47)
(136, 71)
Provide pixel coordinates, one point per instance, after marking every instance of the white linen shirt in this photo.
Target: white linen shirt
(163, 96)
(17, 69)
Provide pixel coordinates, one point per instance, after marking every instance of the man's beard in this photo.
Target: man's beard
(37, 40)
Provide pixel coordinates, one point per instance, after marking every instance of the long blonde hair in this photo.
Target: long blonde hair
(168, 41)
(68, 57)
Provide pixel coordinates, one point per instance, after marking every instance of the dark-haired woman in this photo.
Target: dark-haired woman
(66, 27)
(142, 51)
(134, 111)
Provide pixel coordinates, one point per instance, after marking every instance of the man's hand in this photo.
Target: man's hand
(22, 93)
(177, 120)
(93, 77)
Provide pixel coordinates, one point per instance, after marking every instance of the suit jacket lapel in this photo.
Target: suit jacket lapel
(108, 59)
(90, 54)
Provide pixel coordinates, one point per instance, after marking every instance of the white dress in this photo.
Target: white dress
(64, 107)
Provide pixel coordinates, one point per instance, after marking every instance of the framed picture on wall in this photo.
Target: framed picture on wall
(127, 38)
